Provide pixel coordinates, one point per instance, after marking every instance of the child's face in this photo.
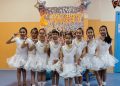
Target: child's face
(103, 31)
(23, 33)
(90, 34)
(34, 34)
(79, 34)
(68, 39)
(42, 34)
(55, 36)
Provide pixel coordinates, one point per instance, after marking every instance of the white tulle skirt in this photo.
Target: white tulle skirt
(41, 63)
(108, 60)
(17, 61)
(92, 62)
(69, 71)
(31, 63)
(54, 67)
(79, 70)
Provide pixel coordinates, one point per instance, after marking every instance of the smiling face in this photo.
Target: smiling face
(42, 35)
(90, 34)
(23, 33)
(68, 39)
(79, 34)
(34, 34)
(103, 31)
(55, 36)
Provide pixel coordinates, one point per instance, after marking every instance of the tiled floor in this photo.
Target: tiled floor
(8, 78)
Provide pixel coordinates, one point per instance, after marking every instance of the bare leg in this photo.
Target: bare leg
(66, 82)
(98, 78)
(87, 76)
(32, 77)
(53, 78)
(43, 78)
(70, 81)
(100, 73)
(19, 76)
(24, 77)
(104, 76)
(39, 76)
(76, 80)
(57, 78)
(80, 79)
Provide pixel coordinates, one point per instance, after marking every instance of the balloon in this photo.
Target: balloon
(43, 21)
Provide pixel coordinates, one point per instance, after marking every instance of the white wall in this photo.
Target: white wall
(52, 3)
(18, 11)
(102, 10)
(24, 10)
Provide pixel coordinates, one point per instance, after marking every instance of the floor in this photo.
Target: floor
(8, 78)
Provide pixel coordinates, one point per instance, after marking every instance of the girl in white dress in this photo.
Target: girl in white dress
(81, 50)
(42, 57)
(31, 63)
(19, 59)
(68, 57)
(105, 52)
(54, 63)
(90, 61)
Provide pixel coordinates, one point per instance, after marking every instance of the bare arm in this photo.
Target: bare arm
(76, 60)
(61, 55)
(11, 39)
(110, 50)
(32, 48)
(84, 52)
(47, 49)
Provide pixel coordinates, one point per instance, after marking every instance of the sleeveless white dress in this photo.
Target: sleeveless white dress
(80, 46)
(41, 56)
(31, 63)
(54, 55)
(20, 58)
(103, 52)
(69, 67)
(91, 61)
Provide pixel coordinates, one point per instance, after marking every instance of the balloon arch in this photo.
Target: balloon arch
(62, 18)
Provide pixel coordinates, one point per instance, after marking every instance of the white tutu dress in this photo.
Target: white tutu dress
(80, 46)
(41, 56)
(54, 55)
(31, 63)
(69, 67)
(103, 52)
(90, 61)
(20, 58)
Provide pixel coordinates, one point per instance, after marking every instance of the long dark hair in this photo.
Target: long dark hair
(107, 39)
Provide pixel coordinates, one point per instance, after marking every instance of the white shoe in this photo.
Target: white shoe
(104, 83)
(76, 84)
(79, 84)
(88, 84)
(33, 85)
(43, 83)
(39, 84)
